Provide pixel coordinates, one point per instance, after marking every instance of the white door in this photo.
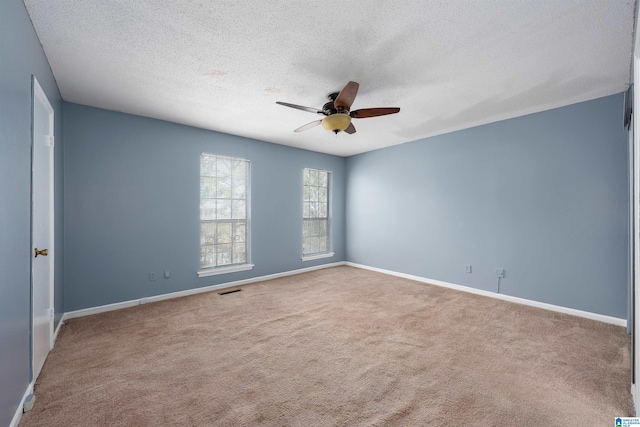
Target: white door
(42, 228)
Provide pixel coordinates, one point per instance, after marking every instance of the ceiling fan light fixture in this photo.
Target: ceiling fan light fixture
(338, 111)
(336, 122)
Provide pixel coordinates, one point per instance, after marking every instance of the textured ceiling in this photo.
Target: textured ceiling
(222, 65)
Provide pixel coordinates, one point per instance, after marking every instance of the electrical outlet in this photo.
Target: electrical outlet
(467, 268)
(145, 300)
(152, 276)
(166, 274)
(500, 272)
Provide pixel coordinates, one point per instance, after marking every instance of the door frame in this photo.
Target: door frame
(39, 95)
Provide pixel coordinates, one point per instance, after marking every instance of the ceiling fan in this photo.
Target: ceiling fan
(338, 117)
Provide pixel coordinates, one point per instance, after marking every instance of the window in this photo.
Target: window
(315, 214)
(224, 213)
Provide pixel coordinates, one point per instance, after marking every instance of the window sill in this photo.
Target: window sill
(318, 256)
(224, 270)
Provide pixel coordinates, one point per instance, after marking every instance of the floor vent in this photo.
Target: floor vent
(229, 292)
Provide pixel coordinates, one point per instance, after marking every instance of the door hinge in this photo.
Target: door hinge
(51, 141)
(51, 314)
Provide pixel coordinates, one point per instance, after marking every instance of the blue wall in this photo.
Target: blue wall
(21, 56)
(544, 196)
(132, 205)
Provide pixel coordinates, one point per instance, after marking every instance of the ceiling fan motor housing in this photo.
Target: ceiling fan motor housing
(329, 108)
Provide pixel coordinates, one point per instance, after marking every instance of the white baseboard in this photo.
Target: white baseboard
(156, 298)
(551, 307)
(132, 303)
(18, 415)
(57, 331)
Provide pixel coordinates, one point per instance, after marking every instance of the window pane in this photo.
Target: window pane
(307, 177)
(239, 253)
(239, 169)
(322, 244)
(313, 192)
(224, 167)
(306, 210)
(207, 209)
(207, 165)
(313, 244)
(322, 210)
(313, 177)
(307, 230)
(322, 194)
(322, 228)
(224, 232)
(306, 246)
(207, 233)
(203, 255)
(307, 227)
(207, 254)
(239, 232)
(223, 188)
(223, 254)
(307, 194)
(322, 178)
(239, 189)
(207, 187)
(313, 210)
(238, 209)
(223, 209)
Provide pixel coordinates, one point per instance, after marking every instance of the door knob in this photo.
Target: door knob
(43, 252)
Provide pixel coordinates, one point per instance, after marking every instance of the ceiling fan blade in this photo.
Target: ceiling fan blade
(308, 126)
(346, 96)
(300, 107)
(372, 112)
(350, 129)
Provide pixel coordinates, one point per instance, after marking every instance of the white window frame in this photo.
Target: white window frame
(230, 268)
(328, 253)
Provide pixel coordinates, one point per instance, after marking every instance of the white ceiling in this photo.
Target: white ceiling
(222, 65)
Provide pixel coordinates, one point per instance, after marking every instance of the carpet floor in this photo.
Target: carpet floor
(335, 347)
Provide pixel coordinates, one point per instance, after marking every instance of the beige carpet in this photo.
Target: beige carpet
(335, 347)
